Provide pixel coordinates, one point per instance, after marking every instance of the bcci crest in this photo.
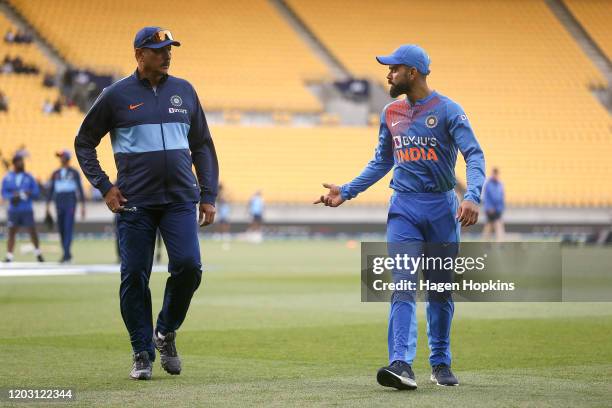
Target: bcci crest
(397, 141)
(431, 121)
(176, 100)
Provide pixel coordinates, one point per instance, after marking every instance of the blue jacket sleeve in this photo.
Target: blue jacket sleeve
(6, 192)
(51, 187)
(486, 196)
(96, 124)
(34, 189)
(203, 154)
(376, 168)
(461, 131)
(493, 196)
(80, 193)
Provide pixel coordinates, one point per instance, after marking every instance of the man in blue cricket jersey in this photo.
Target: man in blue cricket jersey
(19, 188)
(419, 138)
(65, 189)
(158, 131)
(493, 202)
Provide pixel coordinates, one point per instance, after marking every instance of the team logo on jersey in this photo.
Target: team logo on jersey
(176, 100)
(397, 141)
(431, 121)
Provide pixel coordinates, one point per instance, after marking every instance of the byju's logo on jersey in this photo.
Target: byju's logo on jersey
(176, 100)
(431, 121)
(407, 148)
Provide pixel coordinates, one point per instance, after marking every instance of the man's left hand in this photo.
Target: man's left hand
(467, 213)
(207, 214)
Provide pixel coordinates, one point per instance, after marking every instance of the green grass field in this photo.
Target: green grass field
(281, 324)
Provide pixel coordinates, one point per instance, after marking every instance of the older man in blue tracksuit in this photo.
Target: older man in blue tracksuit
(158, 130)
(419, 138)
(65, 189)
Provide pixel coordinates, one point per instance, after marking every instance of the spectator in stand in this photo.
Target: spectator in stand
(18, 37)
(49, 80)
(82, 78)
(17, 66)
(3, 102)
(47, 107)
(7, 65)
(9, 37)
(57, 106)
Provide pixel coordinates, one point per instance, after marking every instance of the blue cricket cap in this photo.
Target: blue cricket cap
(19, 155)
(409, 54)
(154, 37)
(64, 153)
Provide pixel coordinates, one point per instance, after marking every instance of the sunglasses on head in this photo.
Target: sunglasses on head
(155, 38)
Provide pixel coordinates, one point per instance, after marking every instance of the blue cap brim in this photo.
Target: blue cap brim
(387, 60)
(162, 44)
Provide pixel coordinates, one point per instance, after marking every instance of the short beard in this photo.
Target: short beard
(397, 90)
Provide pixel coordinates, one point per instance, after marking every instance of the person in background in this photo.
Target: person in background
(65, 189)
(19, 188)
(95, 194)
(224, 212)
(494, 205)
(256, 210)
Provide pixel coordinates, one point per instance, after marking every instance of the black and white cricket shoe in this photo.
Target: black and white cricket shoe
(142, 368)
(442, 375)
(397, 375)
(169, 357)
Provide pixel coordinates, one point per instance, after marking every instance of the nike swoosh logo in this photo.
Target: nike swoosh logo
(395, 123)
(132, 107)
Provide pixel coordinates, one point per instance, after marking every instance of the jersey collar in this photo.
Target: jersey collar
(145, 81)
(424, 100)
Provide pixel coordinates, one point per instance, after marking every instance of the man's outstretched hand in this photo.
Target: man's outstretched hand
(467, 213)
(332, 198)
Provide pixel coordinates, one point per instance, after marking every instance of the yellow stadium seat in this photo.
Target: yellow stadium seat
(596, 17)
(238, 55)
(521, 78)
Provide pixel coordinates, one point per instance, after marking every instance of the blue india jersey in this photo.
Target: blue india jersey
(420, 143)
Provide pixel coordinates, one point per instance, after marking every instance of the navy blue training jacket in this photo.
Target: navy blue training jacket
(156, 136)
